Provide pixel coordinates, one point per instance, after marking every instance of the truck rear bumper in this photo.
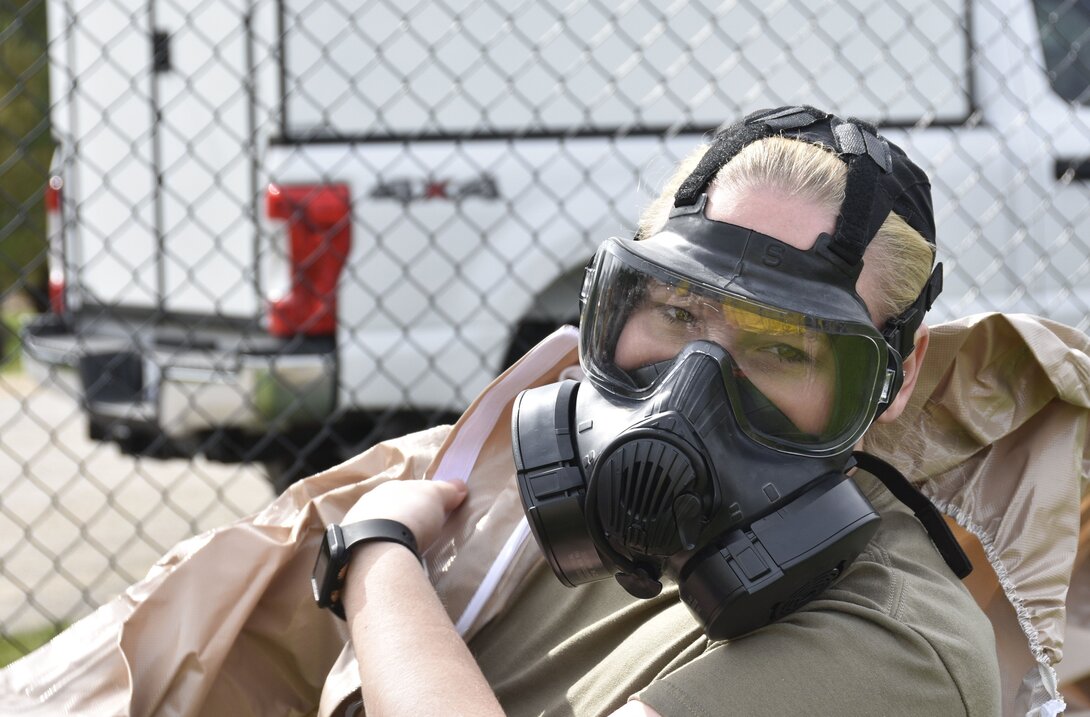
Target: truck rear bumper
(183, 400)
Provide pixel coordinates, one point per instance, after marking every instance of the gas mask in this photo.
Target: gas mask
(729, 377)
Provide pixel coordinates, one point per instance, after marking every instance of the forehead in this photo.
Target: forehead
(794, 221)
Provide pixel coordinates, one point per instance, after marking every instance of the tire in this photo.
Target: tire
(286, 468)
(528, 334)
(351, 435)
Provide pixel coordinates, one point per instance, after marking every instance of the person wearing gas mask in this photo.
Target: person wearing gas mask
(735, 353)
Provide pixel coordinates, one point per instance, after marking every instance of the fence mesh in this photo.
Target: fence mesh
(242, 240)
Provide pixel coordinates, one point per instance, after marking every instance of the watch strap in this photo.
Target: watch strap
(329, 587)
(378, 529)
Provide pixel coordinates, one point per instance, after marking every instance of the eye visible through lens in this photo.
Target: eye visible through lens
(792, 366)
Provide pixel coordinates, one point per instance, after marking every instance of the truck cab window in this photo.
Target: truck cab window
(1065, 37)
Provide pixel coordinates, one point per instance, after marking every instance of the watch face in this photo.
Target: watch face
(324, 580)
(321, 570)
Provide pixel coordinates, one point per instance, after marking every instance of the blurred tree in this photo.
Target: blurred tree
(25, 147)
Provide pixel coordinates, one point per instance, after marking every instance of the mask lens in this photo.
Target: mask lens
(796, 382)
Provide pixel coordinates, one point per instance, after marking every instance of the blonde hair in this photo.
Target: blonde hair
(897, 262)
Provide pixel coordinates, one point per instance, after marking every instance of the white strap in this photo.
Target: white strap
(492, 578)
(462, 454)
(465, 447)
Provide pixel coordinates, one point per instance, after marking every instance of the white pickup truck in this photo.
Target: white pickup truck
(281, 230)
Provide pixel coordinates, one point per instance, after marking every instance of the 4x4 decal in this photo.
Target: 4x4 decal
(408, 189)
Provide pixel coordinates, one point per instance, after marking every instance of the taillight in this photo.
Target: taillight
(318, 219)
(56, 243)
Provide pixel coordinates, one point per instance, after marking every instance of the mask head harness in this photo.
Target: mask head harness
(713, 448)
(881, 179)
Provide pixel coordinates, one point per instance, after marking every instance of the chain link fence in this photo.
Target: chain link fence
(242, 240)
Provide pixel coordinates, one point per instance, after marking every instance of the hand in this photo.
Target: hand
(421, 505)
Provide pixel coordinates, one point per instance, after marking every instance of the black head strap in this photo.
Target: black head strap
(722, 150)
(900, 331)
(867, 156)
(880, 177)
(730, 141)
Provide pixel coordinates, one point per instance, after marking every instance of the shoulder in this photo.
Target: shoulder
(897, 629)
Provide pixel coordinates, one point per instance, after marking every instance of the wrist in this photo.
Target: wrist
(374, 564)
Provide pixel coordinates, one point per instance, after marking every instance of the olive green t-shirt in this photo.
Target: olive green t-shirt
(898, 634)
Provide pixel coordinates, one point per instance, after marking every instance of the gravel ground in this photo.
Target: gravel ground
(79, 521)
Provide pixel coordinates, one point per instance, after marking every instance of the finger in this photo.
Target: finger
(452, 493)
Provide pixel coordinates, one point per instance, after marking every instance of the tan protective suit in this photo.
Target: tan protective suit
(225, 623)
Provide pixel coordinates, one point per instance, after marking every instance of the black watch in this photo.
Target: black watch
(327, 579)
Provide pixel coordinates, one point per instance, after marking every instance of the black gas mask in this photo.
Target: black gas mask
(729, 376)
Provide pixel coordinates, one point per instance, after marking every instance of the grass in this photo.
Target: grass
(12, 647)
(25, 143)
(10, 349)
